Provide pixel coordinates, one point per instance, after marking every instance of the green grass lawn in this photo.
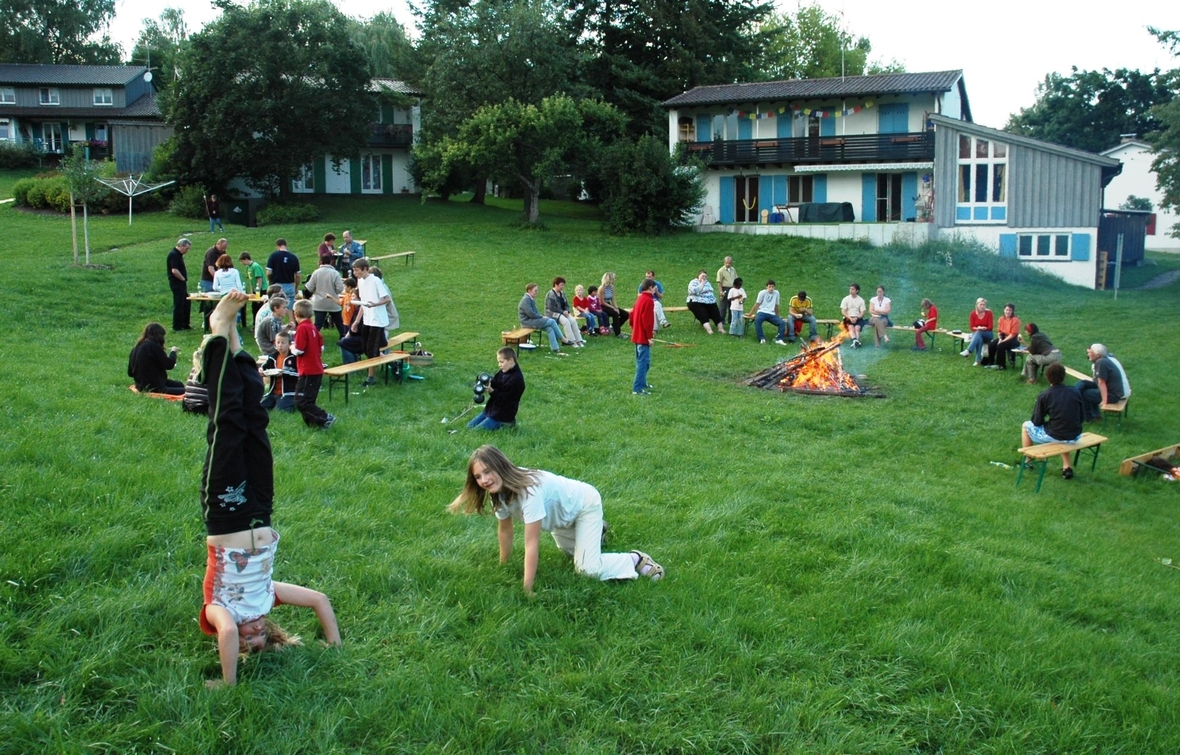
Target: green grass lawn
(844, 576)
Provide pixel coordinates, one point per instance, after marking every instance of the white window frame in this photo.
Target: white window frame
(5, 130)
(49, 96)
(371, 173)
(986, 162)
(1044, 247)
(104, 97)
(7, 95)
(106, 133)
(304, 180)
(52, 137)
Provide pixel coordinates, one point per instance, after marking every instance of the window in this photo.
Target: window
(51, 137)
(5, 131)
(104, 97)
(7, 96)
(50, 96)
(982, 195)
(800, 189)
(371, 173)
(1043, 246)
(100, 134)
(304, 180)
(687, 130)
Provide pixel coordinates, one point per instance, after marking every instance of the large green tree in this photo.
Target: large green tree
(811, 43)
(525, 144)
(266, 88)
(160, 43)
(641, 52)
(1090, 110)
(1166, 140)
(57, 31)
(387, 48)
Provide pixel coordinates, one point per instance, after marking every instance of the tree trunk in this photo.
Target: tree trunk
(481, 190)
(532, 202)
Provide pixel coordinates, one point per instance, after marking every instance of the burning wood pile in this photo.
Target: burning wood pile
(816, 371)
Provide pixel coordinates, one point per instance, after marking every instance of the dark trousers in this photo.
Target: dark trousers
(1000, 353)
(307, 390)
(618, 317)
(237, 483)
(181, 307)
(336, 318)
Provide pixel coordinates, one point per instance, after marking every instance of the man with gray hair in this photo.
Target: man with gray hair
(1109, 386)
(350, 252)
(178, 282)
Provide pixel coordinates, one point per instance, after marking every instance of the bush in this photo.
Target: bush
(57, 194)
(284, 214)
(21, 155)
(189, 202)
(20, 191)
(41, 192)
(643, 189)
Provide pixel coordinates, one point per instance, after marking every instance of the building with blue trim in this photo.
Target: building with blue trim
(888, 158)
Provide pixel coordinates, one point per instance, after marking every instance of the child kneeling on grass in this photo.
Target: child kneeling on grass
(568, 509)
(237, 495)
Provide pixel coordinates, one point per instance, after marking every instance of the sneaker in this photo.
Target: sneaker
(331, 420)
(370, 381)
(665, 325)
(994, 367)
(975, 364)
(855, 343)
(1067, 473)
(779, 341)
(761, 340)
(644, 392)
(965, 352)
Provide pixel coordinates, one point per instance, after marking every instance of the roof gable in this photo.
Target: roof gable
(1024, 141)
(807, 89)
(68, 75)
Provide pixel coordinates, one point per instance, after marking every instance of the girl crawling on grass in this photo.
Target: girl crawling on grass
(237, 493)
(568, 509)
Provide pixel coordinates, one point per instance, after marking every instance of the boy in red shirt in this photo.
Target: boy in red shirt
(308, 349)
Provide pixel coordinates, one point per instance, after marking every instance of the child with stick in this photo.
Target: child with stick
(237, 493)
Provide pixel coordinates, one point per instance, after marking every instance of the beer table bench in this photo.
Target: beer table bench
(408, 256)
(1039, 455)
(341, 373)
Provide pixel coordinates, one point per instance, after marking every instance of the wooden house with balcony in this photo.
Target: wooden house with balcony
(891, 157)
(383, 164)
(112, 109)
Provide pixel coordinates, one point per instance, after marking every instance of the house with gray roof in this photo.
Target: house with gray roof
(888, 158)
(113, 109)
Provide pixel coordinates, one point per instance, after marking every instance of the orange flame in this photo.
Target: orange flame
(822, 369)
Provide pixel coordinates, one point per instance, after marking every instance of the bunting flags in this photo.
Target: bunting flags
(799, 112)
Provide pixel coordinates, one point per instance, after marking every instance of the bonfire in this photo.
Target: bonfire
(817, 369)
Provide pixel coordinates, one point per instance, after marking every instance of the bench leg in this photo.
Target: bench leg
(1042, 466)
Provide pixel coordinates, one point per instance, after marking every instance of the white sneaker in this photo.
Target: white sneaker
(779, 341)
(965, 352)
(761, 341)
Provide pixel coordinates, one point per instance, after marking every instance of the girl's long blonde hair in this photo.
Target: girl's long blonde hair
(277, 639)
(515, 480)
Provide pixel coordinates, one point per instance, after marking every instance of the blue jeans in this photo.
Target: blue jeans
(289, 292)
(218, 222)
(553, 330)
(483, 422)
(977, 341)
(205, 286)
(642, 365)
(737, 322)
(809, 319)
(773, 320)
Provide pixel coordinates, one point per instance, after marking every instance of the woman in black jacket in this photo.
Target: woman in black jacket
(148, 363)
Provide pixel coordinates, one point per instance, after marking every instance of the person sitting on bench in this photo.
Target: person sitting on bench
(1056, 417)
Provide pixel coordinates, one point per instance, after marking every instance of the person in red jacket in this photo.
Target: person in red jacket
(643, 322)
(927, 324)
(308, 349)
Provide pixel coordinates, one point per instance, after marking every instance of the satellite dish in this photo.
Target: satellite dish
(147, 76)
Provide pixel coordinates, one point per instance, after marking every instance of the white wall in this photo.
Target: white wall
(1137, 179)
(337, 176)
(1076, 273)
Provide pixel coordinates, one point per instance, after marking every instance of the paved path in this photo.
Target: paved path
(1160, 281)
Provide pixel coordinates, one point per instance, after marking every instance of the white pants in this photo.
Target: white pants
(583, 541)
(659, 310)
(569, 326)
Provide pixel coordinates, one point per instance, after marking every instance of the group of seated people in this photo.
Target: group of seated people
(596, 304)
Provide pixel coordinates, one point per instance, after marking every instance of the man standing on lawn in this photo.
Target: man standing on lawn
(209, 266)
(643, 324)
(726, 275)
(1056, 417)
(282, 267)
(178, 283)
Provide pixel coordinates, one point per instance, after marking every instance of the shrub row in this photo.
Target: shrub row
(19, 155)
(282, 214)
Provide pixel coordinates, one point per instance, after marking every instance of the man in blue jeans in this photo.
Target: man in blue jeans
(531, 318)
(504, 394)
(643, 325)
(766, 310)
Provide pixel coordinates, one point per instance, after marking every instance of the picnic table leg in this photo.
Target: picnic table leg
(346, 391)
(1020, 466)
(1042, 466)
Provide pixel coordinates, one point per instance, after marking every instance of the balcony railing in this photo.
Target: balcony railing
(859, 148)
(391, 135)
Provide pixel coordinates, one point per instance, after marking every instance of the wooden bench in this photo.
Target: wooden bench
(1136, 464)
(517, 337)
(395, 341)
(341, 373)
(1119, 408)
(1039, 456)
(165, 396)
(750, 317)
(928, 333)
(1076, 374)
(409, 257)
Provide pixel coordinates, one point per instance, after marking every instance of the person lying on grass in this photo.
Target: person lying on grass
(237, 495)
(568, 509)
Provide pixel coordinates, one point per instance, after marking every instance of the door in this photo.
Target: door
(51, 137)
(338, 176)
(745, 208)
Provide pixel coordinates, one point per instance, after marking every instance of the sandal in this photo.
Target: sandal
(655, 572)
(605, 529)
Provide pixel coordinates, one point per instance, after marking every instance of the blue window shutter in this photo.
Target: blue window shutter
(1079, 247)
(1008, 245)
(704, 128)
(780, 190)
(868, 198)
(827, 126)
(745, 128)
(819, 192)
(909, 195)
(725, 211)
(765, 195)
(893, 118)
(354, 175)
(784, 124)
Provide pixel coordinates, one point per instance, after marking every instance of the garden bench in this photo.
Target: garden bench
(400, 338)
(342, 372)
(409, 257)
(1039, 456)
(1076, 374)
(1136, 464)
(1118, 408)
(517, 337)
